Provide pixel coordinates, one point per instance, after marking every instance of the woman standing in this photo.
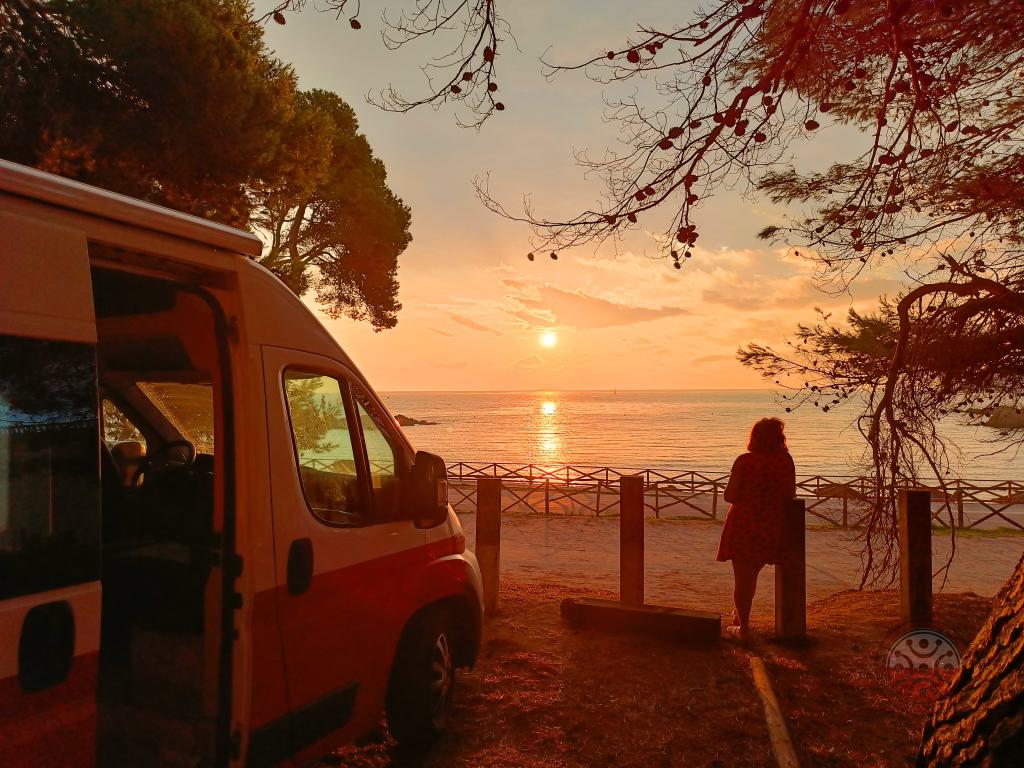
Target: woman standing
(761, 482)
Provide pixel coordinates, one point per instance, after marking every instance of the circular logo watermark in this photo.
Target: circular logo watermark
(920, 662)
(923, 649)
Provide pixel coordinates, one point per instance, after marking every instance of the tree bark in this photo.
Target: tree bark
(978, 721)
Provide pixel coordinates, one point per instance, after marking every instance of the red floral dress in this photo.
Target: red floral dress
(758, 488)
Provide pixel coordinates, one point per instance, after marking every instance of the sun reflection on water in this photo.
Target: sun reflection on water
(548, 435)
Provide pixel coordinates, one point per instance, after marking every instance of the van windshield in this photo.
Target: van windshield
(189, 407)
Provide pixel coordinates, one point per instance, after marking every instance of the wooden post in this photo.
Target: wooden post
(714, 500)
(960, 504)
(488, 538)
(547, 497)
(631, 539)
(915, 520)
(791, 575)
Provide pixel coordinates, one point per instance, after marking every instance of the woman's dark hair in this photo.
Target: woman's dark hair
(767, 435)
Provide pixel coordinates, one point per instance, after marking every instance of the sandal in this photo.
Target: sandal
(735, 632)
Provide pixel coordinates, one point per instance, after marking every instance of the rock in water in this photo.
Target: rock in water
(409, 421)
(1006, 417)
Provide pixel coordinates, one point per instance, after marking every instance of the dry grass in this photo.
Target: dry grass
(544, 695)
(842, 706)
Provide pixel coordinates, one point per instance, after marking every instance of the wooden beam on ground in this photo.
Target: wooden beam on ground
(778, 733)
(651, 620)
(631, 539)
(791, 575)
(915, 522)
(488, 538)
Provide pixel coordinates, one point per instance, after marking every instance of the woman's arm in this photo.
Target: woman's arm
(733, 489)
(789, 489)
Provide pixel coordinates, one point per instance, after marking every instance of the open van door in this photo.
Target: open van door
(49, 496)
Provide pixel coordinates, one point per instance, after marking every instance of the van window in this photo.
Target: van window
(117, 428)
(383, 459)
(49, 465)
(189, 407)
(323, 446)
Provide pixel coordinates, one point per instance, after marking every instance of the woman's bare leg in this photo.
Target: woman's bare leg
(745, 575)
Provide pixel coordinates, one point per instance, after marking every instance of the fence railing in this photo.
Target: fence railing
(840, 500)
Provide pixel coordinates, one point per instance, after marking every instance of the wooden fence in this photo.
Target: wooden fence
(832, 500)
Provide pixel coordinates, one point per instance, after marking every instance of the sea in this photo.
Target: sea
(701, 430)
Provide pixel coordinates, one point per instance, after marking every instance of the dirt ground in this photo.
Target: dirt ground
(545, 695)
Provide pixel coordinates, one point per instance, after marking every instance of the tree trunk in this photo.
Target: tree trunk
(978, 721)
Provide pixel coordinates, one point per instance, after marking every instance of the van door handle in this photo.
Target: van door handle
(300, 566)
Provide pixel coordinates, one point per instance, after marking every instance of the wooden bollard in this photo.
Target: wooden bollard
(488, 538)
(915, 521)
(791, 574)
(631, 539)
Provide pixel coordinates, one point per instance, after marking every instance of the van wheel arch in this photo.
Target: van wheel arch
(465, 623)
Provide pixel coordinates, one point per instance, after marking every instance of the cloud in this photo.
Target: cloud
(472, 324)
(759, 292)
(627, 263)
(443, 333)
(544, 305)
(645, 268)
(708, 359)
(516, 284)
(532, 361)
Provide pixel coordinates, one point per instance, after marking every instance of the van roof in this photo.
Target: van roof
(46, 187)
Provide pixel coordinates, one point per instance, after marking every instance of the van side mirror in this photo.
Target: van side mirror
(429, 490)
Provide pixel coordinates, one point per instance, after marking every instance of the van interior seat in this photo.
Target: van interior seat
(156, 559)
(128, 455)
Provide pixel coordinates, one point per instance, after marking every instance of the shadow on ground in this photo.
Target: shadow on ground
(545, 695)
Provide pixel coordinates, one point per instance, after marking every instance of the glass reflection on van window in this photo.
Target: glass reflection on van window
(118, 428)
(382, 459)
(323, 445)
(188, 407)
(49, 465)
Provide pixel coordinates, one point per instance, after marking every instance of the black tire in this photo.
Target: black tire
(422, 681)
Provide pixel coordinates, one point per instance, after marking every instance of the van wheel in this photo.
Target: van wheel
(422, 682)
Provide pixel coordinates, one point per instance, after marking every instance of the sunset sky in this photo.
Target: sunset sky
(474, 308)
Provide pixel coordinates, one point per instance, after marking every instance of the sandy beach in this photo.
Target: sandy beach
(681, 569)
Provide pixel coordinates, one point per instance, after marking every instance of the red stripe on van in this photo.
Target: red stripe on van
(269, 691)
(453, 545)
(52, 728)
(425, 578)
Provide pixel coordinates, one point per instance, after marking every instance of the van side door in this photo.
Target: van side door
(49, 496)
(342, 553)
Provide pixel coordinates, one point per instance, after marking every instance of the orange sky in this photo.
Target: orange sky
(474, 307)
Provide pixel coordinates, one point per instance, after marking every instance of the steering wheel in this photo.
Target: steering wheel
(164, 458)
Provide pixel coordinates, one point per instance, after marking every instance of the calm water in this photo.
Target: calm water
(691, 429)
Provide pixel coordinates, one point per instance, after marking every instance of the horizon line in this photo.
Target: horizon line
(602, 389)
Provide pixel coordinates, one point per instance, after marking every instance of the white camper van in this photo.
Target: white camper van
(217, 547)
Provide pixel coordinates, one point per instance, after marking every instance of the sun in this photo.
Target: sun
(548, 408)
(548, 339)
